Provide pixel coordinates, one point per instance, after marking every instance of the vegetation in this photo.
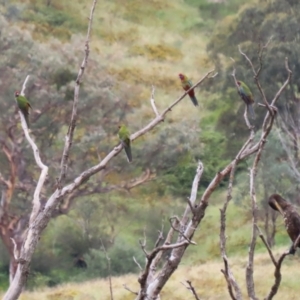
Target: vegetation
(134, 46)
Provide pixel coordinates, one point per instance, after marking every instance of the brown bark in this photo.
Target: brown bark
(10, 227)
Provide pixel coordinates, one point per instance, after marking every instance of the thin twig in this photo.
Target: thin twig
(246, 119)
(143, 243)
(153, 102)
(190, 205)
(137, 263)
(261, 54)
(109, 271)
(128, 289)
(16, 252)
(24, 85)
(286, 63)
(267, 246)
(181, 230)
(256, 74)
(191, 288)
(160, 237)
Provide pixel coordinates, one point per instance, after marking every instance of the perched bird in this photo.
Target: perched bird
(186, 85)
(290, 216)
(23, 105)
(124, 137)
(247, 96)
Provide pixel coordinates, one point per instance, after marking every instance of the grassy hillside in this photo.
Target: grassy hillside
(141, 43)
(201, 264)
(206, 278)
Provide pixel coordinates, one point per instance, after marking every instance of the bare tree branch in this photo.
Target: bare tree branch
(97, 188)
(143, 244)
(153, 102)
(249, 269)
(16, 253)
(267, 245)
(137, 263)
(181, 230)
(256, 74)
(231, 282)
(193, 196)
(277, 272)
(285, 83)
(150, 286)
(24, 85)
(160, 237)
(43, 167)
(191, 289)
(128, 289)
(109, 271)
(70, 133)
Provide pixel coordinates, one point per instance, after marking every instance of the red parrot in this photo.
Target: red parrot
(186, 85)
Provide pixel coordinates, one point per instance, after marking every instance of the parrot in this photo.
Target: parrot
(23, 105)
(186, 85)
(124, 137)
(247, 96)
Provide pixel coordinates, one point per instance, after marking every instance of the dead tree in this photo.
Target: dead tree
(183, 228)
(233, 287)
(16, 182)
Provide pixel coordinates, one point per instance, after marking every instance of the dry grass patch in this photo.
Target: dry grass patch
(206, 278)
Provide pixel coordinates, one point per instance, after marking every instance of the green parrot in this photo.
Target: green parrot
(186, 85)
(124, 137)
(23, 105)
(247, 96)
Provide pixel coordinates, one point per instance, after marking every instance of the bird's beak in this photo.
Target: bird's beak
(278, 207)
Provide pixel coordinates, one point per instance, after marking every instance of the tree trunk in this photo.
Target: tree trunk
(12, 268)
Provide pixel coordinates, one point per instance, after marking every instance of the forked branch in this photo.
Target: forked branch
(266, 128)
(277, 264)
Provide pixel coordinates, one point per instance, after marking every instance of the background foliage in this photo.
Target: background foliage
(135, 45)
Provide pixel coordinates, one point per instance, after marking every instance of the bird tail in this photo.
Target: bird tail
(127, 149)
(251, 111)
(194, 100)
(26, 116)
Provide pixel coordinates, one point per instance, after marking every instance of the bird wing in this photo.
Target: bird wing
(292, 223)
(189, 83)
